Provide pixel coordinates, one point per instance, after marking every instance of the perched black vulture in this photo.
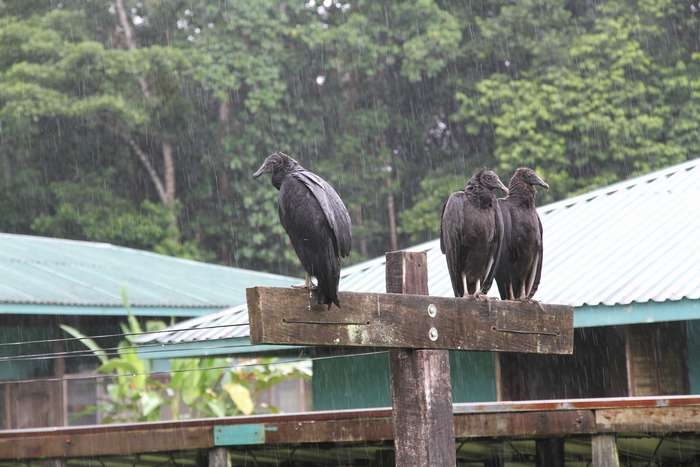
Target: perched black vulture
(471, 230)
(520, 262)
(316, 220)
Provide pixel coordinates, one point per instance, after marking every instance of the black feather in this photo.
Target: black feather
(520, 262)
(315, 219)
(471, 232)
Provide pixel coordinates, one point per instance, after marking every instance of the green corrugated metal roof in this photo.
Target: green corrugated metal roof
(39, 275)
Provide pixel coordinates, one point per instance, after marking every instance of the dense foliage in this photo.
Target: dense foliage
(141, 122)
(196, 387)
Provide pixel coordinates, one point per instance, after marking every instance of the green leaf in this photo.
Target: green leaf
(149, 402)
(87, 342)
(240, 395)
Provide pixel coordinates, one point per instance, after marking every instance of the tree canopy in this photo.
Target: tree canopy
(141, 122)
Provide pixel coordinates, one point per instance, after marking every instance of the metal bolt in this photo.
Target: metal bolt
(433, 334)
(432, 310)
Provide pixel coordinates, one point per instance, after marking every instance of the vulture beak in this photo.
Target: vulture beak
(263, 168)
(538, 181)
(503, 187)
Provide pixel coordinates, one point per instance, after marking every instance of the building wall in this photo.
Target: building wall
(693, 357)
(363, 381)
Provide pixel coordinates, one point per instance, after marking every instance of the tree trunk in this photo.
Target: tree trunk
(391, 211)
(165, 186)
(169, 173)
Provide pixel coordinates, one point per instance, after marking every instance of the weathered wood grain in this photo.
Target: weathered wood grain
(524, 424)
(649, 420)
(604, 451)
(283, 316)
(421, 390)
(515, 420)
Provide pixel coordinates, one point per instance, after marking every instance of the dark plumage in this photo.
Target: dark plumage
(471, 230)
(520, 261)
(316, 220)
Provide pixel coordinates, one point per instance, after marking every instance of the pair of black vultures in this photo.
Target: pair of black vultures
(482, 237)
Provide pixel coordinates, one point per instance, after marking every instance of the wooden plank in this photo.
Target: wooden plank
(105, 442)
(330, 431)
(524, 424)
(604, 451)
(516, 420)
(421, 390)
(649, 420)
(283, 316)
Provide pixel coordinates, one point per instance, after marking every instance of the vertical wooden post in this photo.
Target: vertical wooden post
(219, 457)
(421, 391)
(549, 452)
(604, 451)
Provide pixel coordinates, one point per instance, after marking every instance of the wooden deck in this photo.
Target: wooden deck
(474, 421)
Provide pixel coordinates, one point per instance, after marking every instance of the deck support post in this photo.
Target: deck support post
(604, 451)
(219, 457)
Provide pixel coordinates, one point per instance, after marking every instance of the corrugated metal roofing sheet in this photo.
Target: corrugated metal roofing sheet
(225, 324)
(634, 241)
(40, 270)
(631, 242)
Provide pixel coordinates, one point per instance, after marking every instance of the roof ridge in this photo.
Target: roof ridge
(618, 186)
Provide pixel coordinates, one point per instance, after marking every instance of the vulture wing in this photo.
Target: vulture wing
(504, 264)
(537, 266)
(495, 252)
(442, 215)
(451, 228)
(333, 208)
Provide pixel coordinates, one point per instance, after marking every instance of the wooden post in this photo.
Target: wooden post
(549, 452)
(219, 457)
(604, 451)
(421, 391)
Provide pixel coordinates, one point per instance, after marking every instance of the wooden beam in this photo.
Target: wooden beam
(604, 451)
(283, 316)
(421, 390)
(514, 420)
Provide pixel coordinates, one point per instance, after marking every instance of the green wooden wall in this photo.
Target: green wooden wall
(362, 382)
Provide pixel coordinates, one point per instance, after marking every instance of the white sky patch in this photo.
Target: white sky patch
(327, 3)
(182, 24)
(138, 20)
(320, 79)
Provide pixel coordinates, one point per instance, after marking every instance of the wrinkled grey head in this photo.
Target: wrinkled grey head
(489, 179)
(276, 163)
(529, 176)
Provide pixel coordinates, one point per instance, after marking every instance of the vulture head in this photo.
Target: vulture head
(278, 164)
(526, 178)
(488, 179)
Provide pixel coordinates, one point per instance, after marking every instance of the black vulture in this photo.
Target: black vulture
(471, 230)
(520, 263)
(316, 220)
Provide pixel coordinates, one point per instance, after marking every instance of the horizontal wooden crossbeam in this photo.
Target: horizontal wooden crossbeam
(523, 419)
(285, 316)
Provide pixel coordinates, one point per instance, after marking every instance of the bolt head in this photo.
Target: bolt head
(433, 334)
